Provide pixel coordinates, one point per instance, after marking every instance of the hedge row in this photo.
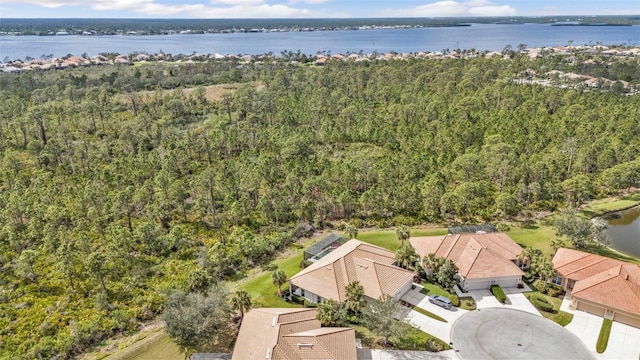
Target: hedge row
(496, 290)
(541, 303)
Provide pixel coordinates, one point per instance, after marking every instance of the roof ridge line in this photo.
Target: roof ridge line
(602, 258)
(597, 283)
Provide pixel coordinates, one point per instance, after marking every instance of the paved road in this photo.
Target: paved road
(499, 333)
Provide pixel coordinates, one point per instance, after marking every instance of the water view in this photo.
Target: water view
(478, 36)
(625, 232)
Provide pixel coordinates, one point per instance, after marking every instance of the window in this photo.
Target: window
(556, 280)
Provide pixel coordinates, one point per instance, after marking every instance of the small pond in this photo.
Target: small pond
(625, 232)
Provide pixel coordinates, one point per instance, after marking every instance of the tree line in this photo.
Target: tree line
(112, 199)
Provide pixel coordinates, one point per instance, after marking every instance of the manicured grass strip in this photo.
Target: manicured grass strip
(428, 313)
(557, 315)
(496, 290)
(467, 303)
(603, 338)
(433, 289)
(415, 339)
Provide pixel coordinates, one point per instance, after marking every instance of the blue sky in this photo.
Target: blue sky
(308, 8)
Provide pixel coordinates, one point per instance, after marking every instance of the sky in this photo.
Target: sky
(308, 8)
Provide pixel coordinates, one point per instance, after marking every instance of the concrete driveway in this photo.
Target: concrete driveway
(515, 300)
(502, 333)
(434, 327)
(374, 354)
(623, 339)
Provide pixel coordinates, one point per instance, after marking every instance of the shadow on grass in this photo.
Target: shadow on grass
(530, 224)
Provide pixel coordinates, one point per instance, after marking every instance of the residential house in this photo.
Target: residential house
(291, 334)
(482, 259)
(355, 260)
(600, 285)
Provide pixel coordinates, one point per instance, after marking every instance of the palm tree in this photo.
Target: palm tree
(406, 256)
(547, 271)
(431, 263)
(352, 231)
(403, 233)
(278, 277)
(527, 256)
(355, 297)
(241, 301)
(557, 243)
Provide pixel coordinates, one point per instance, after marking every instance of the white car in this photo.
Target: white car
(440, 301)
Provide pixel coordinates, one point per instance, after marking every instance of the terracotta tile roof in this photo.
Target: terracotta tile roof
(475, 255)
(602, 280)
(291, 334)
(354, 261)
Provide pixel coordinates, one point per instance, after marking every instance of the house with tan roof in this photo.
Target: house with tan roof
(291, 334)
(600, 285)
(483, 259)
(355, 260)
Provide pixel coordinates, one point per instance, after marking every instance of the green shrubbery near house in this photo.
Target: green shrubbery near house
(497, 291)
(541, 303)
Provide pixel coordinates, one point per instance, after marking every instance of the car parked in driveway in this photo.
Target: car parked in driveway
(440, 301)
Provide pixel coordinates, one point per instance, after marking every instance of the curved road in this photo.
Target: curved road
(498, 333)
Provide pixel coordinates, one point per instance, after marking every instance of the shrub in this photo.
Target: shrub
(503, 226)
(455, 300)
(434, 345)
(496, 290)
(297, 299)
(540, 286)
(305, 263)
(553, 292)
(541, 303)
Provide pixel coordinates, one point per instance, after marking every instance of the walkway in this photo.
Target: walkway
(623, 340)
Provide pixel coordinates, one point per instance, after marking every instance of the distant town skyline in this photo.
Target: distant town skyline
(308, 8)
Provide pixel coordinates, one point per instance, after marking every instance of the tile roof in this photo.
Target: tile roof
(291, 334)
(476, 255)
(609, 282)
(371, 265)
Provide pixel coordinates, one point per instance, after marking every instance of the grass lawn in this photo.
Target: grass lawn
(415, 339)
(537, 234)
(467, 303)
(603, 337)
(165, 349)
(559, 316)
(602, 206)
(389, 240)
(428, 313)
(433, 289)
(262, 291)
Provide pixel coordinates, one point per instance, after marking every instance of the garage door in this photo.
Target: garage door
(626, 319)
(591, 309)
(508, 283)
(478, 284)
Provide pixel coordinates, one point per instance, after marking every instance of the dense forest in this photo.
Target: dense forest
(111, 198)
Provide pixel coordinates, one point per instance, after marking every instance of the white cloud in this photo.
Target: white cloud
(212, 9)
(449, 8)
(312, 2)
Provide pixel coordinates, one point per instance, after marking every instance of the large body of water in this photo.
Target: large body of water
(478, 36)
(625, 232)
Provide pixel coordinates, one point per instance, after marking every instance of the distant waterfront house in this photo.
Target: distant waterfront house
(600, 285)
(482, 259)
(368, 264)
(323, 247)
(291, 334)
